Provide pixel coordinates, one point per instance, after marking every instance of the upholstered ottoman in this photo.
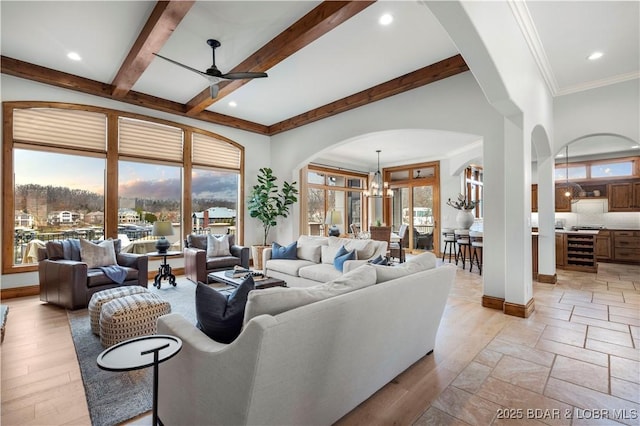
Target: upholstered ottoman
(130, 316)
(104, 296)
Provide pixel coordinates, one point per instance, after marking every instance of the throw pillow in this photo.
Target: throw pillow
(342, 256)
(364, 248)
(378, 260)
(95, 255)
(282, 252)
(418, 263)
(218, 246)
(275, 300)
(309, 252)
(220, 317)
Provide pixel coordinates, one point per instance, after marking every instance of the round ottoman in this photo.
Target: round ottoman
(131, 316)
(104, 296)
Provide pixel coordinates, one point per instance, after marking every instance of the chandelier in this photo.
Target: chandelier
(378, 188)
(571, 189)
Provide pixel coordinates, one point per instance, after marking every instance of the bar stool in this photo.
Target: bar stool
(449, 243)
(464, 245)
(476, 247)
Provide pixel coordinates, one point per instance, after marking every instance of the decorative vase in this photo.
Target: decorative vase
(465, 219)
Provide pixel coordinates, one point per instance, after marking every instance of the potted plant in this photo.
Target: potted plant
(268, 202)
(465, 216)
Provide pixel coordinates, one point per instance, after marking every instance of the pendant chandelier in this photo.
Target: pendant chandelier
(378, 188)
(571, 189)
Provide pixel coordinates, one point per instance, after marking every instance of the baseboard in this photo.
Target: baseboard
(10, 293)
(516, 310)
(547, 279)
(492, 302)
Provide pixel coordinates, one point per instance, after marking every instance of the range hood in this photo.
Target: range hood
(595, 206)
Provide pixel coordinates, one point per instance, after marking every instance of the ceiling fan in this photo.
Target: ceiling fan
(213, 74)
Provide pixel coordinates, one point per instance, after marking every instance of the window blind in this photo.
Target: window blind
(211, 151)
(147, 139)
(61, 127)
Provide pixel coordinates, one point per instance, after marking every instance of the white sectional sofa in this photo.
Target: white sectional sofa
(314, 264)
(312, 364)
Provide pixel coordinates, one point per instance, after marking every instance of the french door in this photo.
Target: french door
(415, 202)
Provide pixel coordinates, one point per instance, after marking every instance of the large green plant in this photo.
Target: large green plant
(267, 202)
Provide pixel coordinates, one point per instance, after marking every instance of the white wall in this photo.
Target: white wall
(257, 147)
(455, 104)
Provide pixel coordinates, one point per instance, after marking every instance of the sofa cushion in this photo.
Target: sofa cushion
(418, 263)
(321, 272)
(222, 262)
(329, 253)
(365, 249)
(220, 317)
(309, 252)
(342, 256)
(218, 245)
(95, 255)
(275, 300)
(284, 252)
(286, 266)
(200, 241)
(97, 278)
(312, 240)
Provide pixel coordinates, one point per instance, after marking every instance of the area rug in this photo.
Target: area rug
(115, 397)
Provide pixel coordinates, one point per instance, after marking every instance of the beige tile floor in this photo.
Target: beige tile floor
(574, 359)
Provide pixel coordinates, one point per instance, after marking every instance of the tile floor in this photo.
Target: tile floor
(575, 361)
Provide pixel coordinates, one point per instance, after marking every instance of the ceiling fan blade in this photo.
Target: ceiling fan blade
(183, 66)
(243, 75)
(213, 91)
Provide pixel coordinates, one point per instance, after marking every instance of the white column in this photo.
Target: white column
(546, 217)
(518, 261)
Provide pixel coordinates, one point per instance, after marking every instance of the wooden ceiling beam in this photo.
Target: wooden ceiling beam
(322, 19)
(429, 74)
(52, 77)
(164, 19)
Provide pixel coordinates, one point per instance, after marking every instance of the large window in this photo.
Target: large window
(597, 169)
(326, 190)
(87, 172)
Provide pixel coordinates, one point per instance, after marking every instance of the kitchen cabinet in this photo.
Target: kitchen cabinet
(534, 197)
(563, 204)
(624, 197)
(626, 246)
(580, 254)
(560, 243)
(604, 246)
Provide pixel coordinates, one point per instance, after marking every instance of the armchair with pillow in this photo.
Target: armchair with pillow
(72, 270)
(209, 253)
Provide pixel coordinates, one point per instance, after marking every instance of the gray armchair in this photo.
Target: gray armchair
(67, 281)
(197, 265)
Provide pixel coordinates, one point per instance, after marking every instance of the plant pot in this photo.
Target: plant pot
(256, 255)
(465, 219)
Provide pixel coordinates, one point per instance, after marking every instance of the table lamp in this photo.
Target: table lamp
(333, 218)
(162, 229)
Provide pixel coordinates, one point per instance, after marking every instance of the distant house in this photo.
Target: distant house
(63, 217)
(213, 215)
(23, 219)
(94, 218)
(128, 216)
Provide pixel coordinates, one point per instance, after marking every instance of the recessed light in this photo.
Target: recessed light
(386, 19)
(74, 56)
(233, 104)
(594, 56)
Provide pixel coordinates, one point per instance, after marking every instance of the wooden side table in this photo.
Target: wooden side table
(164, 270)
(141, 352)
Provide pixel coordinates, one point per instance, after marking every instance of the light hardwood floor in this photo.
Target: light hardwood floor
(575, 360)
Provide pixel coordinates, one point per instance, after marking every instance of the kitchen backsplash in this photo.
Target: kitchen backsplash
(608, 220)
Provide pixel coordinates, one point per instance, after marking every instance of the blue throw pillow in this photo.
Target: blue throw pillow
(378, 260)
(342, 256)
(281, 252)
(220, 317)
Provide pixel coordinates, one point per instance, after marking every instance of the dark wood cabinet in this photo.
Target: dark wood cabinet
(563, 203)
(534, 197)
(603, 246)
(624, 197)
(626, 246)
(560, 239)
(580, 254)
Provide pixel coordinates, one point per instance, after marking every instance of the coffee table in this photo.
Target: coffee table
(220, 277)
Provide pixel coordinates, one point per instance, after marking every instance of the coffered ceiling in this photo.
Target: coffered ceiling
(322, 57)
